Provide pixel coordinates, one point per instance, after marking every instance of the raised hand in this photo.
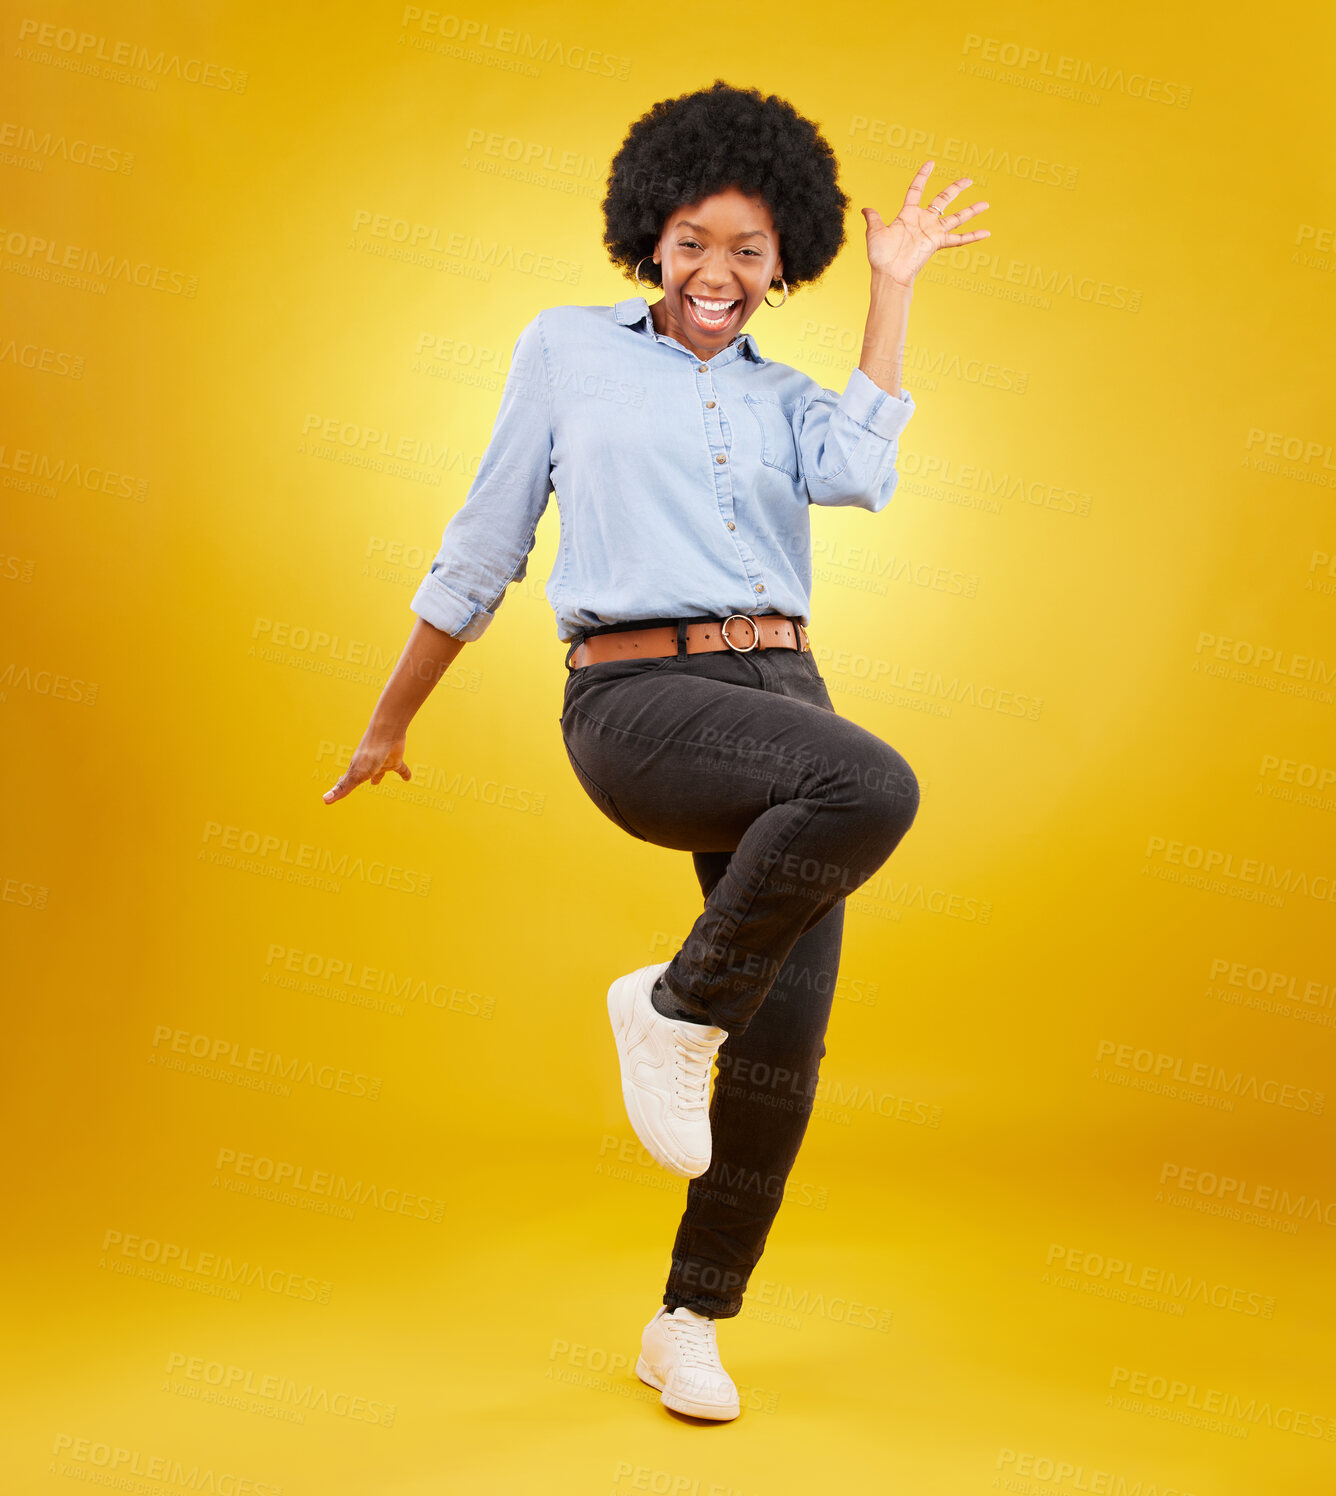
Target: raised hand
(900, 249)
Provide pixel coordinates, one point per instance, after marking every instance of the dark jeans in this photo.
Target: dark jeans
(786, 807)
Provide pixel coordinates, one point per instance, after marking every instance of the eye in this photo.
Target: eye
(755, 252)
(688, 244)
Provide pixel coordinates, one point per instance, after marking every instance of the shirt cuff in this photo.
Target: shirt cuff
(447, 611)
(873, 408)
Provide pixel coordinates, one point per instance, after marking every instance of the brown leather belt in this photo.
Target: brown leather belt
(741, 632)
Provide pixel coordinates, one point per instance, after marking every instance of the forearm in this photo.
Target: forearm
(883, 355)
(425, 658)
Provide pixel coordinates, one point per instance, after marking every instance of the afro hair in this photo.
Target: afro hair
(688, 148)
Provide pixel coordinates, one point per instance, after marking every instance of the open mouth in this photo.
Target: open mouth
(710, 314)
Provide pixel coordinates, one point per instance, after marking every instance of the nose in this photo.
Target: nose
(715, 274)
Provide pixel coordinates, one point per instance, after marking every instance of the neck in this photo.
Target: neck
(664, 324)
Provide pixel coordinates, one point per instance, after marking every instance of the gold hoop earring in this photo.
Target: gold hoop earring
(770, 287)
(639, 282)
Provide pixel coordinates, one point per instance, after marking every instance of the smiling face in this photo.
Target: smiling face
(718, 258)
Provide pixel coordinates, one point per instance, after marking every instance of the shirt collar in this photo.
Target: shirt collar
(634, 312)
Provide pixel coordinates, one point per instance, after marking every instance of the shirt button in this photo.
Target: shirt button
(730, 524)
(760, 587)
(702, 368)
(709, 405)
(721, 458)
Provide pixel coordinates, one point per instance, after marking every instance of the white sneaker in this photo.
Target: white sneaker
(679, 1355)
(665, 1074)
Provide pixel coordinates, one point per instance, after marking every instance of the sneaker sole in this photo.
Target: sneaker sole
(621, 1010)
(719, 1412)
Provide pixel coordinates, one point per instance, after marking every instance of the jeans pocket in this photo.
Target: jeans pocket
(599, 795)
(592, 677)
(813, 671)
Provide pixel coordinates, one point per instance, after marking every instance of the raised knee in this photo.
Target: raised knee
(895, 797)
(878, 781)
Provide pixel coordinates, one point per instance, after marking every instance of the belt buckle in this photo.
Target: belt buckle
(737, 648)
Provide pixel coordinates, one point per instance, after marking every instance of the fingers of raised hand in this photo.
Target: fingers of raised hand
(962, 215)
(916, 186)
(950, 191)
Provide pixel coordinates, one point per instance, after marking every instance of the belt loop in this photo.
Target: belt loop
(681, 639)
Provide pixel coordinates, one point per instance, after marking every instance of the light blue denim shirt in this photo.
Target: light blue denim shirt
(683, 487)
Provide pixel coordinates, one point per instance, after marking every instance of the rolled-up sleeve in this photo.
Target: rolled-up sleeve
(848, 444)
(487, 541)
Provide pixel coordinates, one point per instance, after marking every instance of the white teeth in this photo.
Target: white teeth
(713, 313)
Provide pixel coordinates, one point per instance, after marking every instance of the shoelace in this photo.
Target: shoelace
(695, 1342)
(692, 1074)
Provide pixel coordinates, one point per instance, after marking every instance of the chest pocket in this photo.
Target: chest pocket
(778, 449)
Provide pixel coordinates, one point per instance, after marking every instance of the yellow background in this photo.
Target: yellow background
(984, 1279)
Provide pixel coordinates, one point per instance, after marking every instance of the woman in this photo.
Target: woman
(694, 716)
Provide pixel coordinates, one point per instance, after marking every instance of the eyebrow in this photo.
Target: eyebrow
(701, 229)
